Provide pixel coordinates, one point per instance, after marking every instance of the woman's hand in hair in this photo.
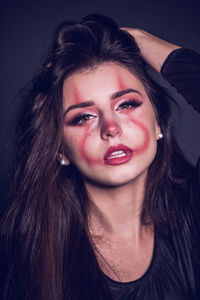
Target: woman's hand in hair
(153, 49)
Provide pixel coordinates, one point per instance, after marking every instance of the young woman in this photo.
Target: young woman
(104, 204)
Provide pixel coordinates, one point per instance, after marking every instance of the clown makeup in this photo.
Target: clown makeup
(110, 127)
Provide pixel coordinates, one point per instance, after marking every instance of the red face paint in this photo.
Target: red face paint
(77, 99)
(139, 150)
(76, 95)
(136, 151)
(112, 127)
(121, 84)
(85, 156)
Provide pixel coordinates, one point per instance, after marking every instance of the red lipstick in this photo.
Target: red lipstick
(118, 155)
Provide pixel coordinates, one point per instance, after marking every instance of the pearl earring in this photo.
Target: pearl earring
(160, 136)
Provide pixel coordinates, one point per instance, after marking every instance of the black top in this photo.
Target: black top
(174, 272)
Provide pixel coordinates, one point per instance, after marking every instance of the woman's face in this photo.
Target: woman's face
(110, 128)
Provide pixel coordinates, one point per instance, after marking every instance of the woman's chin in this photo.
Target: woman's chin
(115, 180)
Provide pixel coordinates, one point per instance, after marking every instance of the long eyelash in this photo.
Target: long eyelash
(133, 102)
(76, 119)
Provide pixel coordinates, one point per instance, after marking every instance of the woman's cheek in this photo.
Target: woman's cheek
(72, 144)
(85, 149)
(146, 138)
(83, 143)
(138, 125)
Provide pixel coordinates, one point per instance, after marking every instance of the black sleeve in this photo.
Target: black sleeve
(194, 196)
(182, 70)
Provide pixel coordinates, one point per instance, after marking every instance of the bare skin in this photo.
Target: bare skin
(125, 244)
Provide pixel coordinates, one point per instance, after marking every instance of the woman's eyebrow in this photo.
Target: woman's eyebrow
(90, 103)
(121, 93)
(79, 105)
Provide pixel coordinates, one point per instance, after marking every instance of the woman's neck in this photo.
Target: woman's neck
(116, 211)
(123, 246)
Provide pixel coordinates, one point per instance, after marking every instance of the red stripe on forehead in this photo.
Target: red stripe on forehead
(120, 83)
(77, 98)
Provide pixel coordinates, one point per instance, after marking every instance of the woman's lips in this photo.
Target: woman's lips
(118, 155)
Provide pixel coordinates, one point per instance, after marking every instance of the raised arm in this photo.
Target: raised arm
(180, 68)
(153, 49)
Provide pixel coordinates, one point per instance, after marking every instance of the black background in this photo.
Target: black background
(25, 28)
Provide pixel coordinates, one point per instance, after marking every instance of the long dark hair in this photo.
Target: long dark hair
(48, 250)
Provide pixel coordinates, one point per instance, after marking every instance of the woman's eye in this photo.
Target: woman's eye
(81, 119)
(85, 118)
(128, 104)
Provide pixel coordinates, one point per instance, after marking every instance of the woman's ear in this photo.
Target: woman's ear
(64, 161)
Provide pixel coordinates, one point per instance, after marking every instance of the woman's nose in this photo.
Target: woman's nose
(110, 128)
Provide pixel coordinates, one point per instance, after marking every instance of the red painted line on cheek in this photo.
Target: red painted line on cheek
(82, 145)
(90, 160)
(141, 149)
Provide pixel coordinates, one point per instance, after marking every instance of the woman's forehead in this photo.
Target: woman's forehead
(105, 78)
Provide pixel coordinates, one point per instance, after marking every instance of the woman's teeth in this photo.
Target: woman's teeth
(117, 154)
